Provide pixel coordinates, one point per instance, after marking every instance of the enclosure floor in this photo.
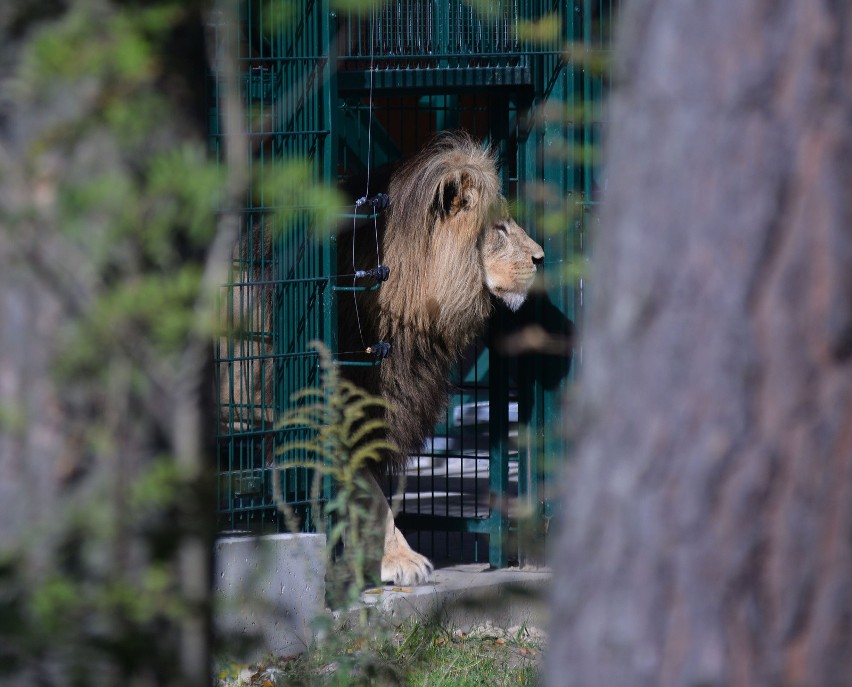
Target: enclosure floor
(471, 595)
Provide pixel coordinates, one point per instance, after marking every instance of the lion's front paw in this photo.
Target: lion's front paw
(401, 564)
(406, 568)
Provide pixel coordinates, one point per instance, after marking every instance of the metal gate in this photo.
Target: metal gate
(521, 75)
(279, 281)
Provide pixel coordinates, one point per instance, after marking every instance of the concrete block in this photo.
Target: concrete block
(269, 591)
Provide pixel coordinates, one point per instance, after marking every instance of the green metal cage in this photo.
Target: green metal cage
(355, 92)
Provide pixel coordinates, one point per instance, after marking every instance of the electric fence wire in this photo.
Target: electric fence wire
(367, 189)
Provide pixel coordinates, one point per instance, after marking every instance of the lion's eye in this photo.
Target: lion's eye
(501, 228)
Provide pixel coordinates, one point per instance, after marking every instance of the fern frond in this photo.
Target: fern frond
(372, 451)
(307, 392)
(310, 448)
(361, 406)
(364, 430)
(339, 419)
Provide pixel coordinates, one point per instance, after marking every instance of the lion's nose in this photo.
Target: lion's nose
(538, 257)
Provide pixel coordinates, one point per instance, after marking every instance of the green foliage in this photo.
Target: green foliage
(13, 419)
(344, 440)
(362, 7)
(291, 192)
(562, 203)
(158, 488)
(422, 652)
(275, 15)
(104, 597)
(541, 31)
(114, 202)
(120, 48)
(154, 308)
(580, 54)
(187, 186)
(135, 207)
(485, 8)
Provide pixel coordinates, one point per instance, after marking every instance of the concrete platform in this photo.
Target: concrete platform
(467, 596)
(271, 589)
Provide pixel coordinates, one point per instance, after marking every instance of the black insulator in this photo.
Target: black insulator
(378, 202)
(380, 272)
(380, 350)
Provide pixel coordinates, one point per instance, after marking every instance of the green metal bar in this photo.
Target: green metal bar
(355, 215)
(354, 132)
(498, 387)
(447, 114)
(436, 80)
(448, 523)
(588, 98)
(441, 28)
(530, 401)
(374, 287)
(498, 423)
(305, 280)
(331, 120)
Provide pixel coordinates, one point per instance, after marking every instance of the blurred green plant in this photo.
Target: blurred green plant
(274, 16)
(541, 31)
(361, 7)
(344, 442)
(118, 210)
(290, 190)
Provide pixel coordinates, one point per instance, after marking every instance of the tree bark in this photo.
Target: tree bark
(707, 524)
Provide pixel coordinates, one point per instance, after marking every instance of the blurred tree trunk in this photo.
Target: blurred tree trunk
(707, 534)
(104, 545)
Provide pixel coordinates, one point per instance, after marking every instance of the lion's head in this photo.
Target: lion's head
(450, 241)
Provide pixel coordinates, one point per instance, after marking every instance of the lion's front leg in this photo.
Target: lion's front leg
(400, 563)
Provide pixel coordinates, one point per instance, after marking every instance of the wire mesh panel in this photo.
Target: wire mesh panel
(437, 44)
(433, 33)
(278, 298)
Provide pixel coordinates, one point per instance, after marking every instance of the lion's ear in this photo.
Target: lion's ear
(456, 193)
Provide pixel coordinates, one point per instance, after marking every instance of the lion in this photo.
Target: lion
(450, 244)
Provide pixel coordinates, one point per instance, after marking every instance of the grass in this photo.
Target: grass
(418, 654)
(462, 661)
